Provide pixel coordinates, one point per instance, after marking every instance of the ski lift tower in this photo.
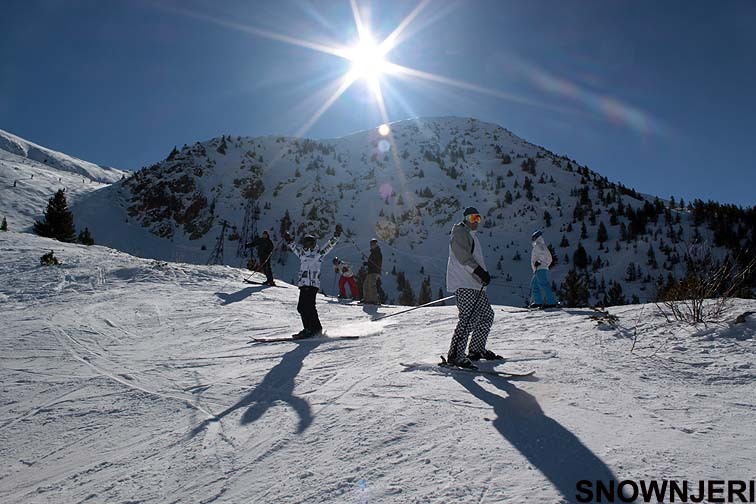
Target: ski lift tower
(217, 256)
(249, 227)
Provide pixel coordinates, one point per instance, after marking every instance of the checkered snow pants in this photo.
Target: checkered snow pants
(478, 322)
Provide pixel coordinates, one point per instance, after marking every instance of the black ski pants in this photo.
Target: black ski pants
(268, 271)
(307, 310)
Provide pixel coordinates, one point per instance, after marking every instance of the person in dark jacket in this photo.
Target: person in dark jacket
(264, 246)
(374, 266)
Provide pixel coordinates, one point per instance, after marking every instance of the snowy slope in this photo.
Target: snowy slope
(57, 160)
(132, 380)
(30, 175)
(407, 189)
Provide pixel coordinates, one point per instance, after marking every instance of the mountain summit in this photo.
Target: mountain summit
(205, 202)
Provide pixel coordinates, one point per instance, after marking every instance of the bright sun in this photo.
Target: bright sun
(367, 60)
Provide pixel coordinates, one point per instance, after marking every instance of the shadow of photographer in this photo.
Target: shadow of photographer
(551, 448)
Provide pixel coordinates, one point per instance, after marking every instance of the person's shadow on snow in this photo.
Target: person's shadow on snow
(277, 386)
(241, 295)
(552, 449)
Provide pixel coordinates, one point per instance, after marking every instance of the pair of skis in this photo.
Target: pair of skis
(324, 337)
(445, 367)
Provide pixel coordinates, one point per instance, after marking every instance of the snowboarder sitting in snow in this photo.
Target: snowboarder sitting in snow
(466, 277)
(540, 261)
(346, 277)
(264, 252)
(311, 259)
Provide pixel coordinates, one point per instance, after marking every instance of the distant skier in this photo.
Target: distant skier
(311, 259)
(346, 277)
(265, 248)
(466, 277)
(374, 264)
(540, 260)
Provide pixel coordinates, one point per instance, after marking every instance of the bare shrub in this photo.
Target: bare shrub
(708, 288)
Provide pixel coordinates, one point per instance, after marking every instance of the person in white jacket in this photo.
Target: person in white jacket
(466, 277)
(310, 261)
(541, 295)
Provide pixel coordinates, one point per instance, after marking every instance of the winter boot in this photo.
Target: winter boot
(461, 362)
(303, 334)
(485, 354)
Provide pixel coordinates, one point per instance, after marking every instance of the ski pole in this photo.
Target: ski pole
(414, 308)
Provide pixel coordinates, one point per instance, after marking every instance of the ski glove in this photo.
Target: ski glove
(338, 230)
(537, 263)
(483, 275)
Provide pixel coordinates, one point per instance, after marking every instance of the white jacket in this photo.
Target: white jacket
(310, 262)
(465, 254)
(540, 254)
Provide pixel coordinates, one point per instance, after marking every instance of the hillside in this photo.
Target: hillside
(133, 380)
(31, 174)
(407, 189)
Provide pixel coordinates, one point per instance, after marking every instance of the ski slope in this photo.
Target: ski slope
(133, 380)
(31, 174)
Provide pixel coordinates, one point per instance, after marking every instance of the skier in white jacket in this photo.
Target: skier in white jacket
(466, 277)
(311, 259)
(540, 260)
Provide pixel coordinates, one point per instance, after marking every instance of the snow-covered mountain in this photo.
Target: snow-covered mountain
(133, 380)
(407, 188)
(31, 174)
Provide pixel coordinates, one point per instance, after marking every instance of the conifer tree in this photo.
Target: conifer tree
(407, 297)
(615, 295)
(602, 235)
(58, 220)
(4, 225)
(425, 292)
(580, 257)
(574, 290)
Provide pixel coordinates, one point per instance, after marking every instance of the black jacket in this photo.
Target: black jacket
(264, 247)
(375, 261)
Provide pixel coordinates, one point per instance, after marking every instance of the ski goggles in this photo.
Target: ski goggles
(474, 218)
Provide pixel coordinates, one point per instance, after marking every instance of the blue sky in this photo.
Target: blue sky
(656, 95)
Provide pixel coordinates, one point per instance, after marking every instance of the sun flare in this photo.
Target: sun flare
(368, 61)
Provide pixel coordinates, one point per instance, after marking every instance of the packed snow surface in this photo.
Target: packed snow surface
(131, 380)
